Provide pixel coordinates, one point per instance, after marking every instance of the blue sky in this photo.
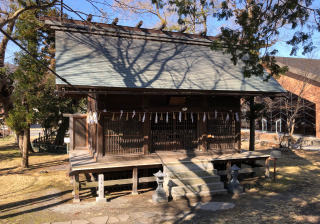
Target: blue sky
(151, 21)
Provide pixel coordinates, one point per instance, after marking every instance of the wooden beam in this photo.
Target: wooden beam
(135, 181)
(172, 92)
(118, 182)
(112, 169)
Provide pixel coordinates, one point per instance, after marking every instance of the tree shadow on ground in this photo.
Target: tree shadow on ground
(36, 166)
(22, 206)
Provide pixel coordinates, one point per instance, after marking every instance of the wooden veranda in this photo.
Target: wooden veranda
(82, 162)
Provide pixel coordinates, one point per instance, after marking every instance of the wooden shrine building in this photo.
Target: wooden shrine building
(158, 97)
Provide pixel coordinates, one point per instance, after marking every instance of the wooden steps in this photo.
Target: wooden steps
(192, 180)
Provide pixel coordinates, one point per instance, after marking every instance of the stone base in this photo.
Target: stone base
(134, 193)
(76, 200)
(237, 190)
(101, 200)
(160, 197)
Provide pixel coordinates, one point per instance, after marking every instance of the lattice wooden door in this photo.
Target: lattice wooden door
(122, 136)
(173, 135)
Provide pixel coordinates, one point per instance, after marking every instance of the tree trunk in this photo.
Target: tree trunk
(61, 131)
(26, 145)
(20, 142)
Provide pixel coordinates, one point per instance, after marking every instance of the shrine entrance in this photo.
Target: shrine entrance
(173, 132)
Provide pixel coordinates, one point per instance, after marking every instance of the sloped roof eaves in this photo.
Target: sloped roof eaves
(93, 60)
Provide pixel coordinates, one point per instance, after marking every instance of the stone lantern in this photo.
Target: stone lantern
(159, 194)
(234, 185)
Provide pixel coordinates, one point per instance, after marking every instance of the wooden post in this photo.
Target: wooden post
(71, 134)
(145, 133)
(252, 125)
(203, 126)
(76, 188)
(228, 171)
(101, 198)
(100, 139)
(135, 181)
(267, 165)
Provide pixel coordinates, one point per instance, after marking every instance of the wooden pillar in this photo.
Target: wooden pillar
(203, 126)
(318, 120)
(146, 134)
(252, 125)
(267, 165)
(228, 171)
(71, 177)
(101, 198)
(76, 188)
(71, 134)
(135, 181)
(100, 137)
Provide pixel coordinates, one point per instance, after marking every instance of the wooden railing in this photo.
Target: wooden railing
(45, 143)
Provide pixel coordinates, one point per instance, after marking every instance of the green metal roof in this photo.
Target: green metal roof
(87, 59)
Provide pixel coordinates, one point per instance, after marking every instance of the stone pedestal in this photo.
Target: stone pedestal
(101, 198)
(234, 185)
(159, 195)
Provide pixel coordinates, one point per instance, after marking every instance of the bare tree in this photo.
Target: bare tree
(168, 13)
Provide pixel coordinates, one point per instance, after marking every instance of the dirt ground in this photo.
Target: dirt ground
(35, 196)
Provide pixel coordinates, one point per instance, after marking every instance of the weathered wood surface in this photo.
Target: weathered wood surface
(82, 160)
(118, 182)
(80, 136)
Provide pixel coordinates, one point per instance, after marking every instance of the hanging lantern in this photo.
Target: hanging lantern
(167, 118)
(161, 118)
(174, 116)
(192, 117)
(112, 116)
(139, 116)
(156, 118)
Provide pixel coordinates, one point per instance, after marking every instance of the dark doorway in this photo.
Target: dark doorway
(172, 133)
